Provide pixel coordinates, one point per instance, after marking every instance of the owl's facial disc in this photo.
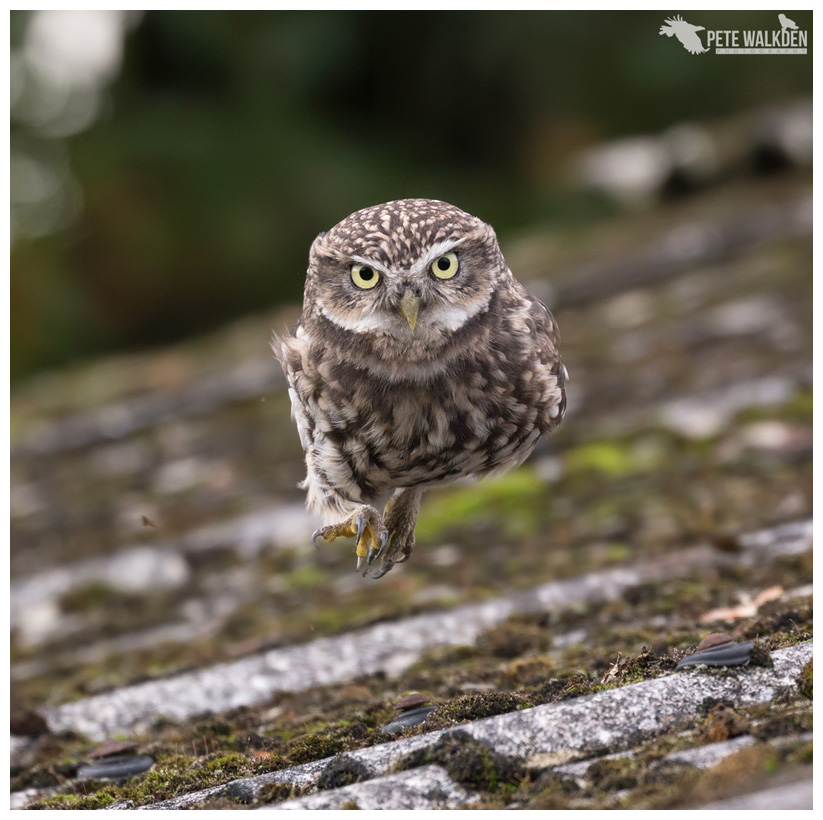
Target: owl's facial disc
(418, 301)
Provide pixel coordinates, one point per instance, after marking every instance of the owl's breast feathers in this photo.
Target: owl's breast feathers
(367, 430)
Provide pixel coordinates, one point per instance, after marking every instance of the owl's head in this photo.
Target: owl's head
(414, 271)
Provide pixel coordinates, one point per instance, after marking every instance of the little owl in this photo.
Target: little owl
(418, 359)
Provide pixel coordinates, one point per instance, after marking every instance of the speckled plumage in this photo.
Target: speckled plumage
(387, 404)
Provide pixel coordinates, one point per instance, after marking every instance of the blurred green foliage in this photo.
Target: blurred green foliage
(230, 139)
(517, 501)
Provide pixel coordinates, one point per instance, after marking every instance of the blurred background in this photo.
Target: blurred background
(170, 169)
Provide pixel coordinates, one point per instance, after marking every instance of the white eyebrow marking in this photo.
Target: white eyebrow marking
(369, 263)
(417, 267)
(434, 251)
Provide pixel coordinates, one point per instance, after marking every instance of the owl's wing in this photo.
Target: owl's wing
(290, 352)
(544, 325)
(547, 337)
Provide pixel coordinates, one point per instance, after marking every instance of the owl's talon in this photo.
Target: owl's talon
(391, 559)
(318, 533)
(366, 526)
(380, 572)
(361, 525)
(375, 554)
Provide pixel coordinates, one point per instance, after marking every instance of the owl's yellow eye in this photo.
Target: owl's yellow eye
(364, 277)
(445, 267)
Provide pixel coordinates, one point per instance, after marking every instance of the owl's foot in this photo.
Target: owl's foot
(366, 526)
(396, 555)
(401, 518)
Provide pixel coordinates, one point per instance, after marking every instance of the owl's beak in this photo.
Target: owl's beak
(409, 306)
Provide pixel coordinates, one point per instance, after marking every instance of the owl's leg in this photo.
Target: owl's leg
(366, 526)
(401, 518)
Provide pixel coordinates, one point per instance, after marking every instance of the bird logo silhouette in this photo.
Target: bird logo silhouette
(685, 32)
(785, 22)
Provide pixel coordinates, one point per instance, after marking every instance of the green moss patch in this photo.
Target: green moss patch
(469, 762)
(515, 502)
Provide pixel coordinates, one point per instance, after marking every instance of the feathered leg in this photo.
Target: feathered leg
(401, 517)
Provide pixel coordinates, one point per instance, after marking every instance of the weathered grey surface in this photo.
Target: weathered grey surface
(793, 796)
(700, 757)
(617, 719)
(428, 787)
(620, 717)
(682, 248)
(18, 747)
(21, 799)
(702, 416)
(704, 757)
(142, 567)
(122, 419)
(579, 768)
(388, 647)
